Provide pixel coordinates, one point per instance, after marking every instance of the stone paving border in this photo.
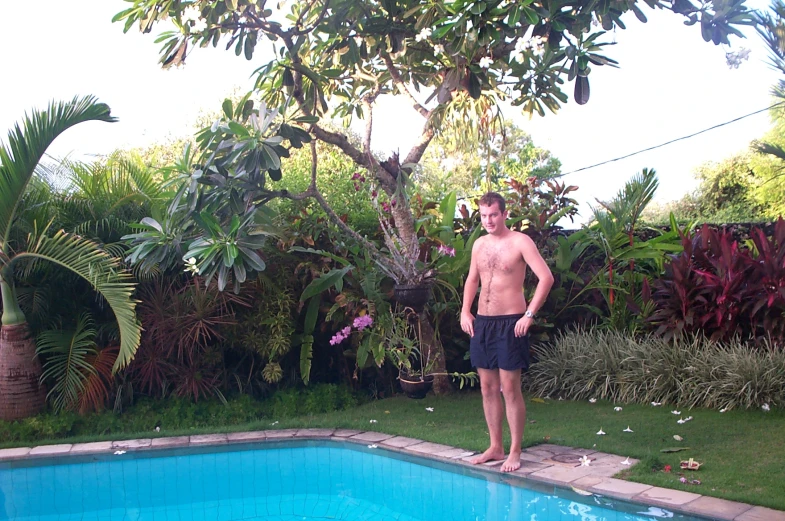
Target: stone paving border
(548, 464)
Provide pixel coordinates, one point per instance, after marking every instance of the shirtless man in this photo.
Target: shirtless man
(499, 343)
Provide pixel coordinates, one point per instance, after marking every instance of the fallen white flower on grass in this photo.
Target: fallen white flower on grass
(681, 420)
(723, 409)
(617, 409)
(592, 400)
(677, 437)
(373, 421)
(274, 423)
(626, 462)
(676, 412)
(585, 461)
(628, 429)
(119, 452)
(429, 409)
(656, 404)
(601, 433)
(158, 429)
(765, 407)
(372, 446)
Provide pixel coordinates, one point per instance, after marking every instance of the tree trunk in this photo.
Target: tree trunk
(21, 394)
(431, 347)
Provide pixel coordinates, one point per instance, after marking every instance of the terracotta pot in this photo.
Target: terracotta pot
(414, 386)
(21, 395)
(414, 296)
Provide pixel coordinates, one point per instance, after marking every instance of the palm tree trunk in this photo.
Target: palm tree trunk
(21, 393)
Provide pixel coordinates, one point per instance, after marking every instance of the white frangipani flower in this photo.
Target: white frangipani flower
(628, 429)
(627, 461)
(158, 429)
(723, 409)
(677, 437)
(585, 461)
(374, 421)
(486, 62)
(600, 432)
(191, 13)
(592, 400)
(119, 452)
(519, 57)
(765, 407)
(191, 267)
(438, 49)
(681, 420)
(656, 404)
(676, 412)
(372, 446)
(424, 34)
(617, 409)
(274, 423)
(429, 409)
(198, 25)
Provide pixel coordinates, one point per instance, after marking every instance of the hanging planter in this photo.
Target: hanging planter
(415, 386)
(414, 296)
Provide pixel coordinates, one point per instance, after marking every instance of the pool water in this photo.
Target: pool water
(285, 482)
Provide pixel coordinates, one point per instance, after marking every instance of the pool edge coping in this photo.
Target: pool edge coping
(539, 464)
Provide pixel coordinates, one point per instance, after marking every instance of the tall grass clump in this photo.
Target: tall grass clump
(693, 372)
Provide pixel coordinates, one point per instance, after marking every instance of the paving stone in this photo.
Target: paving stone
(400, 442)
(716, 508)
(666, 497)
(281, 433)
(88, 448)
(527, 467)
(345, 433)
(17, 452)
(560, 475)
(558, 449)
(50, 450)
(534, 456)
(208, 439)
(454, 453)
(132, 444)
(246, 436)
(761, 514)
(611, 486)
(170, 442)
(372, 436)
(427, 447)
(607, 465)
(314, 433)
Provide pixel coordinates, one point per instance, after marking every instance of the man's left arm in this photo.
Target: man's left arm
(544, 282)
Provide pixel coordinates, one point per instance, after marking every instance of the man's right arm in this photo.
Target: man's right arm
(469, 292)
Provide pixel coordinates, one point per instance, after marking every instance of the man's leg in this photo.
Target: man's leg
(516, 416)
(492, 406)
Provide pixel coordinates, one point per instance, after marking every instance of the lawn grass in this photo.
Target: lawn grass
(743, 452)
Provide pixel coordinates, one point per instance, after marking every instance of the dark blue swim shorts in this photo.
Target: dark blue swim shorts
(495, 346)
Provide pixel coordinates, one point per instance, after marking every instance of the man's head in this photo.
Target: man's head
(493, 213)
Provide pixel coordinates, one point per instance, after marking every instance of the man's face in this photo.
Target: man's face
(492, 218)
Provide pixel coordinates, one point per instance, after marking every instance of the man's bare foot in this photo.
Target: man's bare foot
(489, 455)
(513, 462)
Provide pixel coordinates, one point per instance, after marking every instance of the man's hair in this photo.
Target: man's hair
(492, 198)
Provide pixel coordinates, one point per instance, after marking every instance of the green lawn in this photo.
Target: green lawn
(743, 452)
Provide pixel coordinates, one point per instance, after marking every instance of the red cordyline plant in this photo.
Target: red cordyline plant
(724, 290)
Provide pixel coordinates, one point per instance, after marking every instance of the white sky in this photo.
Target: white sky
(671, 83)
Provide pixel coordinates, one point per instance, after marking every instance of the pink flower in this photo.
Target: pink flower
(386, 207)
(340, 336)
(446, 250)
(362, 322)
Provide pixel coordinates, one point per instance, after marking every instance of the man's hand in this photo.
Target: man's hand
(467, 323)
(521, 326)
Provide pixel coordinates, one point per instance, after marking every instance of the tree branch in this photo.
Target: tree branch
(399, 83)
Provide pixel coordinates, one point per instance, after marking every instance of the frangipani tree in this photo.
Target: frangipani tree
(454, 61)
(20, 371)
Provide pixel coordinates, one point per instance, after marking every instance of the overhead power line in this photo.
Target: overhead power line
(674, 140)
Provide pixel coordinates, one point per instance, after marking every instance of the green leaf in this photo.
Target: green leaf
(674, 449)
(326, 281)
(227, 108)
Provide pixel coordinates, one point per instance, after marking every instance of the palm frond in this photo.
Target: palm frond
(104, 272)
(67, 363)
(27, 144)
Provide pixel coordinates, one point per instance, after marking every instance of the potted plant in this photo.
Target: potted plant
(402, 349)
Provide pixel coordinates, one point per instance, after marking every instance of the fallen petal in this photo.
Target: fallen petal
(677, 437)
(626, 462)
(429, 409)
(628, 429)
(617, 409)
(676, 412)
(372, 446)
(119, 452)
(600, 432)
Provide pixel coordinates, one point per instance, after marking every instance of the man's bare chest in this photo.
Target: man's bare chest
(500, 259)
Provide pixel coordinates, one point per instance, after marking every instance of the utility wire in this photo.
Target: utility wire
(673, 140)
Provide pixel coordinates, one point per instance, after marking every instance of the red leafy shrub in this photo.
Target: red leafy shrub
(723, 289)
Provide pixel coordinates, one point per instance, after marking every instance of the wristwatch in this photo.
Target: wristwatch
(529, 314)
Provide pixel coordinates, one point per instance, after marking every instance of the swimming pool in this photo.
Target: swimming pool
(285, 481)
